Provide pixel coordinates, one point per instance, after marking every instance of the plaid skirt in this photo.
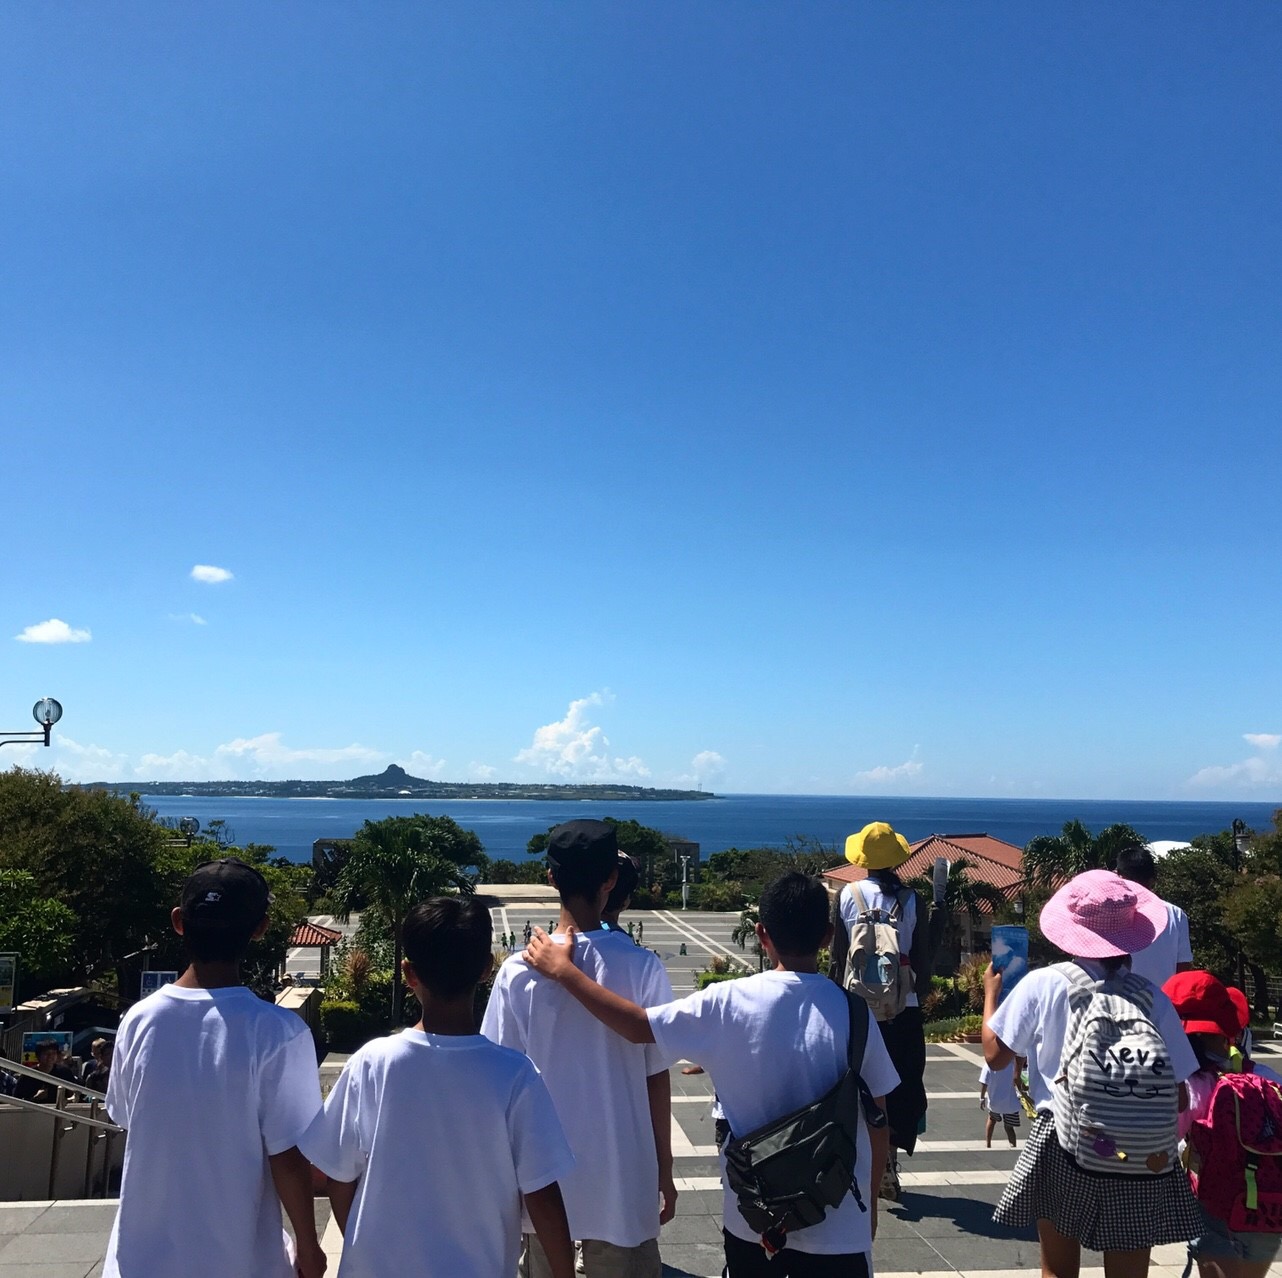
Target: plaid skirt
(1104, 1213)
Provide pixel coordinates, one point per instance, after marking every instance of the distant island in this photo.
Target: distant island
(395, 783)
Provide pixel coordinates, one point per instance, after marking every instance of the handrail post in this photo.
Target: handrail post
(59, 1110)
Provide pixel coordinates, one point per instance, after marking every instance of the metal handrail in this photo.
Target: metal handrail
(102, 1129)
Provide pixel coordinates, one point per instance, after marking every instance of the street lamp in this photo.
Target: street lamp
(190, 827)
(685, 882)
(46, 712)
(1241, 845)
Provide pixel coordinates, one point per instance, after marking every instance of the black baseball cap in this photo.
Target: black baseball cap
(225, 893)
(583, 845)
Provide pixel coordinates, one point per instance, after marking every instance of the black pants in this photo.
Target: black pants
(905, 1039)
(748, 1260)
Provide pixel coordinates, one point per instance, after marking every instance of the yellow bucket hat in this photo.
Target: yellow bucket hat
(877, 847)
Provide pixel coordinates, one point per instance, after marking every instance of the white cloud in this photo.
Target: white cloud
(194, 618)
(422, 764)
(574, 747)
(1260, 771)
(1263, 740)
(53, 631)
(707, 763)
(179, 766)
(886, 774)
(267, 753)
(75, 762)
(480, 771)
(209, 574)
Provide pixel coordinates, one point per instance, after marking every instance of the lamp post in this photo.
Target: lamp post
(189, 827)
(1241, 845)
(46, 712)
(685, 882)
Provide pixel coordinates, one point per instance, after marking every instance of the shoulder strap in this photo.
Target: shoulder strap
(857, 1039)
(901, 900)
(858, 893)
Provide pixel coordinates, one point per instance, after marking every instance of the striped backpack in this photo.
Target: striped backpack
(1116, 1101)
(1239, 1144)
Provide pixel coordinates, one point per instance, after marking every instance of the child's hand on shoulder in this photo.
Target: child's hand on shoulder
(549, 957)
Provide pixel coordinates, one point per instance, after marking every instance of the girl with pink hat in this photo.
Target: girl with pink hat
(1107, 1064)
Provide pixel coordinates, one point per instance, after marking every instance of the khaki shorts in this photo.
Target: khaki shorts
(600, 1259)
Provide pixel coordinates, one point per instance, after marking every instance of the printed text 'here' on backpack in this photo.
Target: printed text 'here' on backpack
(876, 968)
(1238, 1148)
(1116, 1100)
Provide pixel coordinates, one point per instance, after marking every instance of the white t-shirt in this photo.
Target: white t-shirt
(1158, 961)
(772, 1043)
(597, 1081)
(878, 899)
(445, 1133)
(1002, 1096)
(1033, 1019)
(208, 1083)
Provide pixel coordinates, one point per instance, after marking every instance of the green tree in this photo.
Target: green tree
(41, 931)
(397, 862)
(964, 895)
(648, 847)
(1053, 858)
(517, 872)
(1199, 879)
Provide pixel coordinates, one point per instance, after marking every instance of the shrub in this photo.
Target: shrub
(947, 1031)
(343, 1024)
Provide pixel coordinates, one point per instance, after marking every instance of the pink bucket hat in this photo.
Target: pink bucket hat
(1101, 915)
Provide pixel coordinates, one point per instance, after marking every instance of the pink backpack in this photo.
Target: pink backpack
(1239, 1149)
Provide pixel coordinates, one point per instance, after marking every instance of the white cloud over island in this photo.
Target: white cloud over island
(55, 630)
(577, 749)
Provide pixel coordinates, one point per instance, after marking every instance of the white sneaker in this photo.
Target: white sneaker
(890, 1183)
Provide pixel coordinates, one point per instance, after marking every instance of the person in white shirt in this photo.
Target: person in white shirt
(215, 1087)
(1099, 919)
(771, 1043)
(1170, 951)
(999, 1097)
(481, 1110)
(614, 1099)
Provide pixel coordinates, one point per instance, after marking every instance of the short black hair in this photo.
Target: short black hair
(794, 911)
(1137, 863)
(624, 885)
(583, 881)
(447, 940)
(215, 942)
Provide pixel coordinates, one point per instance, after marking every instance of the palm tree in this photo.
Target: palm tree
(963, 895)
(746, 929)
(398, 862)
(1051, 859)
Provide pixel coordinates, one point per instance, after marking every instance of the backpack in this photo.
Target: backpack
(1239, 1143)
(1116, 1100)
(876, 969)
(787, 1174)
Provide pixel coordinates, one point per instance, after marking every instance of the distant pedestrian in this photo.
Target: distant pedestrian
(640, 930)
(881, 951)
(632, 932)
(1115, 1184)
(1171, 951)
(529, 932)
(999, 1097)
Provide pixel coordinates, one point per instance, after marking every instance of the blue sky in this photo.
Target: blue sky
(836, 399)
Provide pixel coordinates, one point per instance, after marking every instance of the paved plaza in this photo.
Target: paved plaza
(943, 1227)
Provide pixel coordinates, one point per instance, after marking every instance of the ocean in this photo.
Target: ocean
(734, 820)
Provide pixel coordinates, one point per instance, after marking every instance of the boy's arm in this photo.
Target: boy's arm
(547, 1215)
(879, 1141)
(659, 1092)
(625, 1018)
(292, 1175)
(342, 1194)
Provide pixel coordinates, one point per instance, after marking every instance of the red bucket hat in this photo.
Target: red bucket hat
(1203, 1004)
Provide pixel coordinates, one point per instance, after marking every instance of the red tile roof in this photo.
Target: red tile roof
(991, 861)
(313, 934)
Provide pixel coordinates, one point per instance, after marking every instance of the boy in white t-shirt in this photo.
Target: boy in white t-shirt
(999, 1096)
(480, 1110)
(771, 1043)
(613, 1098)
(215, 1087)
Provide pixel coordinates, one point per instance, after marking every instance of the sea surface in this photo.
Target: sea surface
(735, 820)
